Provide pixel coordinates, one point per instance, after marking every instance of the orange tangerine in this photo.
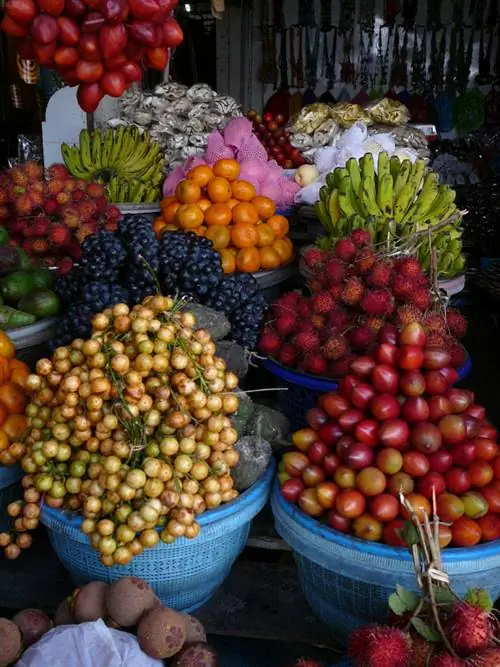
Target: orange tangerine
(200, 231)
(20, 374)
(201, 174)
(6, 366)
(170, 211)
(189, 216)
(166, 201)
(228, 260)
(246, 213)
(7, 348)
(265, 206)
(188, 192)
(4, 441)
(279, 225)
(269, 259)
(231, 203)
(14, 426)
(219, 190)
(284, 250)
(219, 235)
(4, 413)
(243, 190)
(218, 214)
(244, 236)
(13, 398)
(227, 168)
(204, 204)
(266, 235)
(158, 226)
(248, 260)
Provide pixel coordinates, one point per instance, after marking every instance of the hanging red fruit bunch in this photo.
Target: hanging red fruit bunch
(101, 46)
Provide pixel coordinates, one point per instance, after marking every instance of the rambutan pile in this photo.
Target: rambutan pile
(354, 294)
(49, 214)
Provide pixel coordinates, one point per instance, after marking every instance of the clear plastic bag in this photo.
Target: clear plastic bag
(388, 112)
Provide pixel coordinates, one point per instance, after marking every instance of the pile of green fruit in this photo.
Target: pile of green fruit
(402, 202)
(25, 290)
(126, 160)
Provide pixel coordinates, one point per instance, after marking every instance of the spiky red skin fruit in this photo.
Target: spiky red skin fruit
(269, 342)
(338, 320)
(286, 302)
(361, 337)
(334, 348)
(353, 291)
(379, 646)
(285, 324)
(434, 339)
(345, 250)
(65, 266)
(407, 314)
(457, 351)
(420, 652)
(364, 260)
(323, 303)
(316, 364)
(335, 270)
(304, 309)
(435, 322)
(361, 237)
(375, 323)
(470, 629)
(306, 341)
(403, 287)
(336, 291)
(409, 266)
(457, 323)
(288, 355)
(446, 660)
(489, 658)
(377, 302)
(315, 285)
(421, 298)
(315, 257)
(60, 235)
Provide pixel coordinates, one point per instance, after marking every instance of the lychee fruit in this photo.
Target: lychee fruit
(334, 347)
(381, 274)
(285, 324)
(338, 320)
(288, 355)
(95, 190)
(457, 324)
(456, 350)
(345, 250)
(54, 187)
(409, 266)
(489, 658)
(364, 260)
(315, 258)
(286, 302)
(316, 364)
(34, 170)
(59, 235)
(269, 342)
(335, 271)
(435, 339)
(19, 176)
(306, 341)
(360, 237)
(435, 322)
(379, 646)
(23, 205)
(315, 285)
(446, 660)
(378, 302)
(361, 337)
(322, 303)
(420, 652)
(352, 291)
(407, 314)
(336, 291)
(421, 298)
(470, 629)
(403, 286)
(374, 323)
(304, 308)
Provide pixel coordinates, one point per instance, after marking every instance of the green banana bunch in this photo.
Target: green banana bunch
(393, 199)
(127, 160)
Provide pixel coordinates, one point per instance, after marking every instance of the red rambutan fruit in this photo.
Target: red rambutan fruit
(361, 337)
(470, 629)
(360, 237)
(19, 175)
(488, 658)
(322, 303)
(50, 206)
(315, 258)
(409, 266)
(62, 197)
(352, 292)
(335, 270)
(421, 298)
(378, 301)
(380, 646)
(287, 302)
(59, 235)
(446, 660)
(336, 291)
(84, 231)
(456, 350)
(40, 246)
(318, 321)
(18, 227)
(374, 323)
(23, 205)
(69, 185)
(407, 314)
(113, 213)
(36, 199)
(110, 225)
(315, 285)
(74, 250)
(269, 342)
(71, 216)
(95, 190)
(34, 170)
(338, 320)
(40, 227)
(304, 308)
(381, 274)
(403, 287)
(334, 347)
(77, 195)
(435, 339)
(58, 171)
(100, 203)
(306, 341)
(285, 324)
(457, 324)
(4, 213)
(435, 322)
(54, 187)
(316, 364)
(305, 325)
(364, 260)
(288, 355)
(345, 250)
(420, 652)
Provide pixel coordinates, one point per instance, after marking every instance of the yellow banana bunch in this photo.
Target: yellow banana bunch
(127, 160)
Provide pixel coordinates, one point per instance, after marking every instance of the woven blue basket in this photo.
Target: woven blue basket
(9, 491)
(347, 581)
(303, 390)
(185, 574)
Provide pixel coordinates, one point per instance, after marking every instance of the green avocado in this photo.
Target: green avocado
(24, 261)
(42, 303)
(17, 285)
(42, 279)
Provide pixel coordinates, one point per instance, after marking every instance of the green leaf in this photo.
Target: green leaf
(425, 630)
(410, 534)
(409, 599)
(397, 605)
(480, 598)
(443, 595)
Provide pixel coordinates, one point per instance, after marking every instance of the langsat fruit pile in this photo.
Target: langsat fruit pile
(355, 294)
(398, 426)
(132, 429)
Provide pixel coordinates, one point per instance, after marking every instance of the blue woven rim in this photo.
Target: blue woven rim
(322, 384)
(51, 517)
(9, 475)
(374, 548)
(285, 211)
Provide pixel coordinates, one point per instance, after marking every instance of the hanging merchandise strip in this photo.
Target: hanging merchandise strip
(451, 70)
(434, 14)
(347, 69)
(395, 65)
(403, 60)
(347, 16)
(306, 13)
(432, 72)
(465, 61)
(333, 60)
(312, 52)
(283, 62)
(441, 59)
(267, 71)
(418, 63)
(365, 44)
(326, 15)
(367, 16)
(292, 33)
(410, 9)
(481, 77)
(385, 61)
(379, 60)
(326, 23)
(475, 13)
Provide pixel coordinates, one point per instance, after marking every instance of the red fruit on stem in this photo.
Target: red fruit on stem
(435, 383)
(452, 428)
(330, 464)
(385, 406)
(330, 433)
(350, 503)
(65, 56)
(490, 527)
(157, 58)
(304, 438)
(457, 480)
(295, 463)
(143, 33)
(389, 460)
(449, 507)
(75, 9)
(358, 456)
(308, 503)
(51, 7)
(412, 383)
(44, 53)
(93, 22)
(89, 72)
(366, 527)
(113, 83)
(144, 9)
(132, 72)
(412, 334)
(362, 366)
(415, 409)
(114, 10)
(317, 452)
(415, 464)
(410, 357)
(326, 493)
(366, 431)
(476, 411)
(401, 482)
(12, 28)
(380, 646)
(420, 506)
(334, 405)
(439, 406)
(291, 490)
(44, 29)
(21, 11)
(112, 39)
(385, 379)
(362, 394)
(440, 461)
(347, 385)
(384, 507)
(371, 481)
(89, 48)
(470, 627)
(312, 475)
(430, 484)
(446, 660)
(338, 522)
(387, 354)
(487, 450)
(394, 433)
(89, 95)
(436, 359)
(393, 533)
(480, 473)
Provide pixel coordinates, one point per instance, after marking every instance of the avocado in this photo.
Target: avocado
(10, 318)
(24, 260)
(42, 278)
(42, 303)
(16, 285)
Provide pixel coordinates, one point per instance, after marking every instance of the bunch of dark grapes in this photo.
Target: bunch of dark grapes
(100, 295)
(231, 292)
(68, 286)
(103, 255)
(138, 237)
(74, 324)
(246, 321)
(174, 248)
(202, 271)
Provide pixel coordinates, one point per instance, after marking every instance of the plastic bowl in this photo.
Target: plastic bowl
(185, 574)
(303, 390)
(347, 581)
(9, 491)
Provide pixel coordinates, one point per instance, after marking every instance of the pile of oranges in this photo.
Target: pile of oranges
(243, 226)
(13, 402)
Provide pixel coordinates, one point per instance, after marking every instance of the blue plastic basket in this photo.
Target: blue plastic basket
(347, 581)
(303, 390)
(185, 574)
(9, 491)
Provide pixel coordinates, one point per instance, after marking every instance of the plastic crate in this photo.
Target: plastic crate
(347, 581)
(303, 390)
(9, 491)
(185, 574)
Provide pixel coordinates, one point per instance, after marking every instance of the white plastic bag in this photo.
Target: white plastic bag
(86, 645)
